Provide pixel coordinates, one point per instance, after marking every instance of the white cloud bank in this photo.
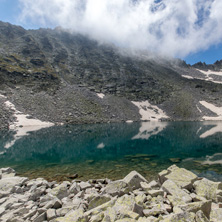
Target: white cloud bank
(169, 27)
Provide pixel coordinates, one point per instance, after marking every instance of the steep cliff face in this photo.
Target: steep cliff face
(57, 76)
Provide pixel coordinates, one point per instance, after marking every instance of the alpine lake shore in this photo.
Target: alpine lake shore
(177, 195)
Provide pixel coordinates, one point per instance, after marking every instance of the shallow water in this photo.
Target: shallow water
(113, 150)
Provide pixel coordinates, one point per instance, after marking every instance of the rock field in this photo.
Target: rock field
(178, 195)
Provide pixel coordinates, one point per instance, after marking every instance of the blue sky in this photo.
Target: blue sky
(35, 14)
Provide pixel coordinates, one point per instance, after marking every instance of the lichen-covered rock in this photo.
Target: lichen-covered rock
(110, 215)
(133, 180)
(178, 195)
(97, 201)
(127, 203)
(118, 188)
(207, 189)
(126, 220)
(97, 218)
(182, 177)
(155, 193)
(101, 208)
(200, 217)
(60, 191)
(156, 210)
(73, 216)
(140, 199)
(216, 215)
(180, 217)
(204, 206)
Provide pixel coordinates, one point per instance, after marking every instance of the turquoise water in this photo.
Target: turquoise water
(113, 150)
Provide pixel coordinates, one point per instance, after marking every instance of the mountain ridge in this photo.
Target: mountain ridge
(69, 70)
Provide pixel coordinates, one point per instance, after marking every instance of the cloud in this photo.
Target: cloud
(169, 27)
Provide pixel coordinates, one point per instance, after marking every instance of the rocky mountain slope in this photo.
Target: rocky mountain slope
(56, 76)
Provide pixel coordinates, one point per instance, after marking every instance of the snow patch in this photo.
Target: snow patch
(100, 95)
(187, 77)
(23, 125)
(208, 73)
(149, 112)
(214, 109)
(149, 129)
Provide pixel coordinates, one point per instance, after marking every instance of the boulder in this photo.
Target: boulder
(200, 217)
(127, 203)
(118, 188)
(183, 217)
(207, 189)
(178, 196)
(97, 201)
(50, 214)
(133, 179)
(110, 215)
(8, 184)
(216, 215)
(60, 191)
(204, 206)
(73, 216)
(156, 210)
(84, 185)
(182, 178)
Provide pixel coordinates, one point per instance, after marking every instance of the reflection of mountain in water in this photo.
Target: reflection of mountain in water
(113, 141)
(149, 129)
(216, 127)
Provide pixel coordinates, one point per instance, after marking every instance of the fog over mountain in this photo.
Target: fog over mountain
(169, 27)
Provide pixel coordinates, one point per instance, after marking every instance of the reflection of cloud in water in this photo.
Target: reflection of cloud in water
(149, 129)
(216, 128)
(212, 160)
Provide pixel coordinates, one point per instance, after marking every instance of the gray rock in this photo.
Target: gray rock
(178, 196)
(84, 185)
(40, 218)
(60, 191)
(8, 184)
(182, 177)
(118, 188)
(155, 193)
(183, 217)
(97, 201)
(74, 188)
(50, 214)
(200, 217)
(204, 206)
(155, 210)
(74, 215)
(133, 179)
(216, 215)
(207, 189)
(2, 211)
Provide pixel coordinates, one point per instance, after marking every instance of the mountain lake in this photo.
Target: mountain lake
(113, 150)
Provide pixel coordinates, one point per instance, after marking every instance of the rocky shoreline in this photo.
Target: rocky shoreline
(178, 195)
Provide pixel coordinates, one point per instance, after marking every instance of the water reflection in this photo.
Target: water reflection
(216, 127)
(112, 150)
(148, 129)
